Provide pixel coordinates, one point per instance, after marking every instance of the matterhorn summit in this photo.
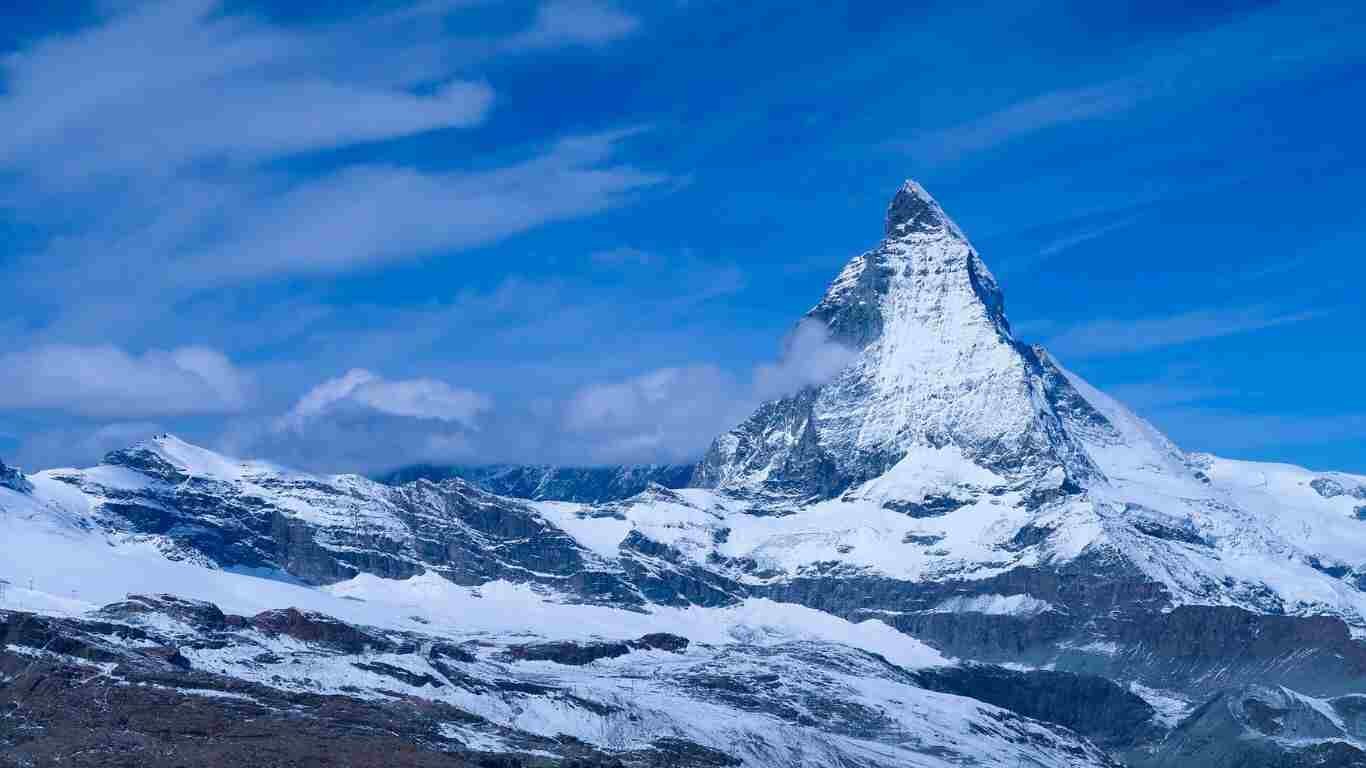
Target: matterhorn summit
(937, 368)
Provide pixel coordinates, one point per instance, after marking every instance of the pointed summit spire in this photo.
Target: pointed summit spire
(913, 210)
(936, 366)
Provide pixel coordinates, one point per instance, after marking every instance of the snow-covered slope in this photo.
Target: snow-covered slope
(760, 683)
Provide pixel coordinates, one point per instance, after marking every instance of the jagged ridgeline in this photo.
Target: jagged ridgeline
(954, 551)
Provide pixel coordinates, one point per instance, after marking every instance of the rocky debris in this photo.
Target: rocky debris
(315, 628)
(579, 654)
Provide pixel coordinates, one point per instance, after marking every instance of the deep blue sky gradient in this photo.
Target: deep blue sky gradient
(1171, 199)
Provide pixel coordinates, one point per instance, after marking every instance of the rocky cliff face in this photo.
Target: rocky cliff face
(13, 479)
(953, 512)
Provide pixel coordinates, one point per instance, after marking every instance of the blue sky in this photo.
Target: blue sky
(350, 236)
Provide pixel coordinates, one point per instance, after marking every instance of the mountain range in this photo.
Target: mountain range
(953, 552)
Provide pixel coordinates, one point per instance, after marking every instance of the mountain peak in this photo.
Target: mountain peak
(914, 210)
(174, 460)
(936, 366)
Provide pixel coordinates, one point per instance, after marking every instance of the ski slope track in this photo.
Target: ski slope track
(953, 552)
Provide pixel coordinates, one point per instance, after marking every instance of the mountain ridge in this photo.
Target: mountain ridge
(996, 527)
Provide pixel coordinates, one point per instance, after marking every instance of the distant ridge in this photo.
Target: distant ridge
(542, 482)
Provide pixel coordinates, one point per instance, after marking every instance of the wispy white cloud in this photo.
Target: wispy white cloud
(372, 214)
(587, 23)
(671, 414)
(166, 85)
(1116, 337)
(1072, 240)
(106, 380)
(160, 157)
(1026, 117)
(623, 256)
(810, 358)
(1279, 42)
(1161, 393)
(411, 398)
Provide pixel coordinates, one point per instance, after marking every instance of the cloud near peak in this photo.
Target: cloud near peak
(411, 398)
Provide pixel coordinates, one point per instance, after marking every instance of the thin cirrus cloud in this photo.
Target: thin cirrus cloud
(106, 380)
(169, 155)
(574, 22)
(1027, 117)
(1279, 42)
(194, 83)
(371, 214)
(1107, 337)
(1072, 240)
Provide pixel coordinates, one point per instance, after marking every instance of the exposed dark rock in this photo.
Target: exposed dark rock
(1028, 536)
(13, 479)
(452, 652)
(661, 641)
(170, 655)
(798, 467)
(1330, 488)
(1256, 727)
(1097, 708)
(311, 627)
(678, 751)
(930, 506)
(196, 613)
(579, 654)
(415, 679)
(568, 652)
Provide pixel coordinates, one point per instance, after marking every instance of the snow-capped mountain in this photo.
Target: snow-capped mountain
(954, 551)
(937, 367)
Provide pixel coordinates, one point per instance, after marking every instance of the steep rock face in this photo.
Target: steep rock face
(937, 366)
(1265, 727)
(1093, 706)
(13, 479)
